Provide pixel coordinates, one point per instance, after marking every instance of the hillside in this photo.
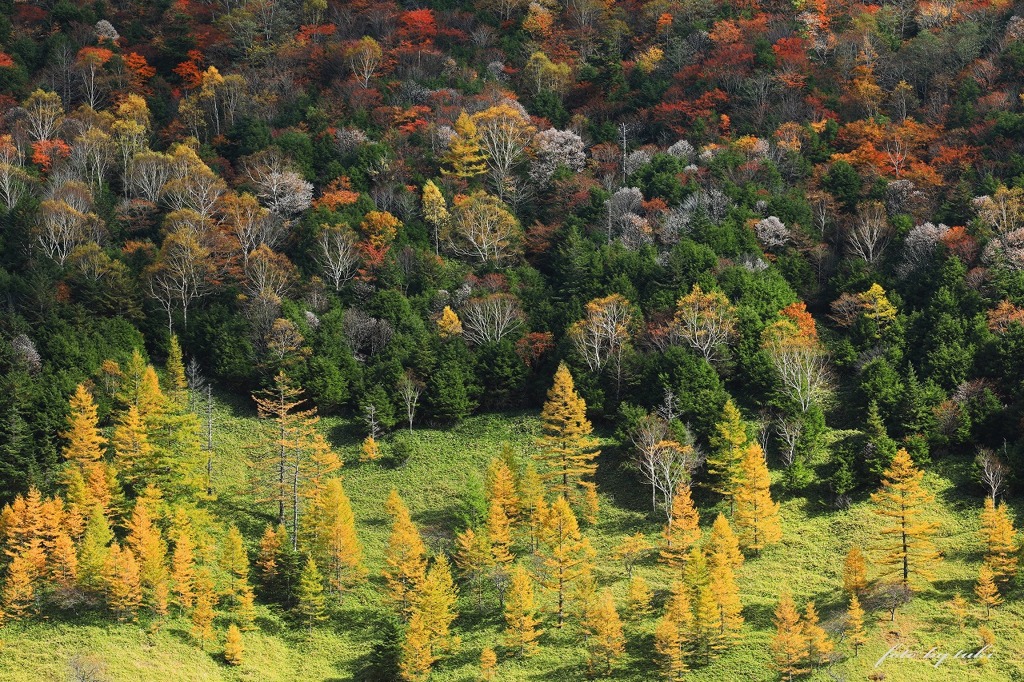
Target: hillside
(434, 480)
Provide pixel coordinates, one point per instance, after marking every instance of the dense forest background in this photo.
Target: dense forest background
(404, 215)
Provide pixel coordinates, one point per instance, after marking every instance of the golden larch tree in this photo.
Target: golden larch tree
(417, 655)
(183, 569)
(501, 488)
(436, 601)
(855, 571)
(638, 598)
(631, 550)
(819, 645)
(682, 529)
(473, 557)
(606, 643)
(488, 665)
(988, 593)
(728, 448)
(405, 559)
(789, 645)
(724, 546)
(465, 157)
(122, 582)
(146, 543)
(727, 602)
(566, 448)
(338, 547)
(203, 614)
(521, 632)
(855, 624)
(93, 550)
(566, 555)
(234, 649)
(673, 631)
(499, 532)
(19, 588)
(1000, 538)
(757, 516)
(907, 550)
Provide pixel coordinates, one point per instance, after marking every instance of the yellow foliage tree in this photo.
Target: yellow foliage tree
(123, 583)
(501, 488)
(855, 571)
(448, 325)
(488, 665)
(988, 593)
(757, 516)
(417, 655)
(682, 529)
(1000, 538)
(521, 620)
(436, 601)
(631, 550)
(369, 451)
(673, 631)
(183, 569)
(819, 645)
(499, 532)
(855, 624)
(728, 447)
(203, 614)
(727, 602)
(902, 501)
(789, 645)
(567, 448)
(435, 211)
(606, 643)
(338, 548)
(19, 588)
(465, 157)
(638, 598)
(566, 555)
(724, 546)
(234, 649)
(405, 558)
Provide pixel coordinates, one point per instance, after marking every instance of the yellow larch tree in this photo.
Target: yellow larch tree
(907, 550)
(183, 569)
(417, 655)
(204, 612)
(638, 598)
(673, 632)
(728, 448)
(133, 453)
(436, 601)
(448, 325)
(465, 157)
(521, 632)
(499, 533)
(123, 584)
(488, 665)
(565, 554)
(19, 591)
(757, 516)
(435, 211)
(789, 646)
(819, 645)
(234, 649)
(146, 543)
(84, 450)
(727, 602)
(405, 558)
(473, 557)
(338, 547)
(1000, 538)
(501, 488)
(606, 643)
(855, 624)
(566, 448)
(724, 546)
(855, 571)
(311, 604)
(682, 529)
(631, 550)
(988, 593)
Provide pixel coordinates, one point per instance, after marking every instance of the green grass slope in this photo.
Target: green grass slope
(443, 465)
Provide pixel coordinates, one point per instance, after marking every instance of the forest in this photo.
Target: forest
(394, 340)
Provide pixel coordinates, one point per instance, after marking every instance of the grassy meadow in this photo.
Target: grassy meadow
(442, 466)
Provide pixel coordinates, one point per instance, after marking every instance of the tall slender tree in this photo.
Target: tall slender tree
(757, 516)
(521, 620)
(405, 559)
(566, 449)
(907, 551)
